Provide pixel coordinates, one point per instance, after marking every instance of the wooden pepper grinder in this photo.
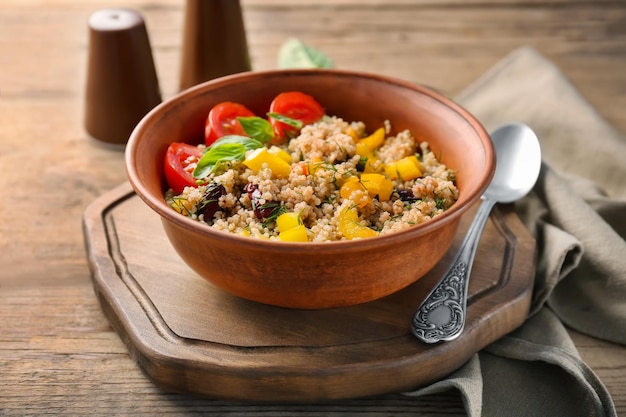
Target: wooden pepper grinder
(214, 42)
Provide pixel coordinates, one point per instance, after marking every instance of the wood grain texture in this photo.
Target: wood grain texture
(180, 328)
(58, 354)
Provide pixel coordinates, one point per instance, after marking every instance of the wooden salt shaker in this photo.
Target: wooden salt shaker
(122, 83)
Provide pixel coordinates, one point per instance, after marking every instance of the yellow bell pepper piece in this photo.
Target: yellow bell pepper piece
(290, 228)
(373, 165)
(353, 133)
(288, 221)
(280, 152)
(406, 169)
(258, 157)
(181, 205)
(349, 226)
(377, 185)
(295, 234)
(353, 190)
(367, 146)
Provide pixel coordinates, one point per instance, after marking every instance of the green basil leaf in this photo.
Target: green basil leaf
(217, 155)
(286, 119)
(257, 128)
(226, 149)
(296, 54)
(249, 143)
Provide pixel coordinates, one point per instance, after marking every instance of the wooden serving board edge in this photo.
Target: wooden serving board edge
(158, 350)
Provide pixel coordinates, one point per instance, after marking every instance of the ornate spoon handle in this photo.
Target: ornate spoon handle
(441, 316)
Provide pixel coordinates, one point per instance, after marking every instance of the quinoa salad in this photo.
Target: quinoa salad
(327, 180)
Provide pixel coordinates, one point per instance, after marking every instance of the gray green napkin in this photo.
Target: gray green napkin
(577, 214)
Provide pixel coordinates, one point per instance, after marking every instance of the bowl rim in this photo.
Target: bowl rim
(454, 213)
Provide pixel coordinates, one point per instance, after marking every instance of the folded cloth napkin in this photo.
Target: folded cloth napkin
(576, 213)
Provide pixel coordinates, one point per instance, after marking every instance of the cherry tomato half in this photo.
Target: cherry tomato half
(180, 160)
(222, 121)
(295, 105)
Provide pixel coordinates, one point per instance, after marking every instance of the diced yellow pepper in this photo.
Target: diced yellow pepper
(349, 226)
(373, 165)
(181, 205)
(257, 235)
(406, 169)
(290, 228)
(287, 221)
(280, 152)
(295, 234)
(314, 165)
(377, 185)
(353, 190)
(367, 146)
(353, 133)
(255, 160)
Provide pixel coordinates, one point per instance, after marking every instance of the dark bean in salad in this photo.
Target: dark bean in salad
(210, 200)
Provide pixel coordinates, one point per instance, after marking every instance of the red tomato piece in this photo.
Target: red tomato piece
(222, 121)
(180, 161)
(295, 105)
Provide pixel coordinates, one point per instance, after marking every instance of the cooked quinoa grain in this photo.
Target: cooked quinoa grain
(337, 187)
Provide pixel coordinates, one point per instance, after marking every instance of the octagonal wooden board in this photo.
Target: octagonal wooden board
(191, 337)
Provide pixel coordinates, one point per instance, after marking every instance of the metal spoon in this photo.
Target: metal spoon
(441, 315)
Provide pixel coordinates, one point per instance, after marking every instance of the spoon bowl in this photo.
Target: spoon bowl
(441, 316)
(517, 165)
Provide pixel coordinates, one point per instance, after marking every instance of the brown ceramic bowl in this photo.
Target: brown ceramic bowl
(314, 275)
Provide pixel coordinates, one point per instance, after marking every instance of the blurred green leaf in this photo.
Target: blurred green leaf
(296, 54)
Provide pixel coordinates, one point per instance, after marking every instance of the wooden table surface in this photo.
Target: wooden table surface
(58, 354)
